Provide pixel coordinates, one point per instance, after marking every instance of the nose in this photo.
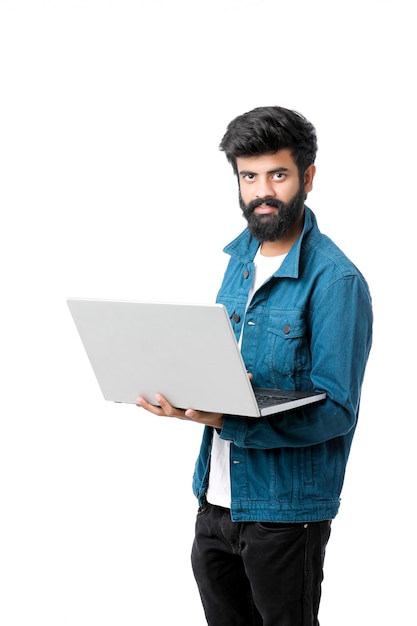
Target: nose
(264, 188)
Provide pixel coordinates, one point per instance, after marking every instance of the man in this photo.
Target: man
(268, 488)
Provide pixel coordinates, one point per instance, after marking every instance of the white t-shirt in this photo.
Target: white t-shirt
(218, 491)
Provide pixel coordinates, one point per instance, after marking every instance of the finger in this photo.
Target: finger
(168, 409)
(156, 410)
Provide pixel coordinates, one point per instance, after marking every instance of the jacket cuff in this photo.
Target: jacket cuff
(234, 429)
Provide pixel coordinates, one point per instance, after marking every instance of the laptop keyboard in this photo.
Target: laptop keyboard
(271, 399)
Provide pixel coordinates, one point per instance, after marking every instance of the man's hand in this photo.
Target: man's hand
(167, 410)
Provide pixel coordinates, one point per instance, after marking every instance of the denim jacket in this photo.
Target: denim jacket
(308, 326)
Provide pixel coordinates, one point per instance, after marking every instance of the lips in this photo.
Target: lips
(264, 209)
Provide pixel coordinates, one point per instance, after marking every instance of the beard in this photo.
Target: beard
(273, 226)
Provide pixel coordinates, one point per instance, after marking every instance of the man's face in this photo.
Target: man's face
(271, 196)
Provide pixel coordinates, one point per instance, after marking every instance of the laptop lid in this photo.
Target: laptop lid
(187, 352)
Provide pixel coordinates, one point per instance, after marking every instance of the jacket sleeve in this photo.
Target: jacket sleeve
(341, 336)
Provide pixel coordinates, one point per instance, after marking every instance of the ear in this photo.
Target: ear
(308, 178)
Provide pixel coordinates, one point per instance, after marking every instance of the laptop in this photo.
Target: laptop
(186, 352)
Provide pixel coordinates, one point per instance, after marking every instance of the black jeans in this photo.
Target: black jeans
(258, 574)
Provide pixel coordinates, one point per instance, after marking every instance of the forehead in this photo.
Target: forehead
(267, 162)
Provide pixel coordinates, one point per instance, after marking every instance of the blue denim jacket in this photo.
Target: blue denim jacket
(308, 326)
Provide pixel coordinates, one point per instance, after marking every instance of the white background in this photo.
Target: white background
(112, 185)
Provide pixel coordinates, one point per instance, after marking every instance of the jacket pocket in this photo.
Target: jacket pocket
(288, 352)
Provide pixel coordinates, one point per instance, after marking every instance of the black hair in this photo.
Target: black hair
(266, 130)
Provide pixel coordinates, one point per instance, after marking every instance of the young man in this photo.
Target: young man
(268, 488)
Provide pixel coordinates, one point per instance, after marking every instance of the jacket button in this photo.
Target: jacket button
(246, 274)
(236, 317)
(286, 329)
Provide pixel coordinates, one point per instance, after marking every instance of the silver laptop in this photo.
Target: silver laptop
(186, 352)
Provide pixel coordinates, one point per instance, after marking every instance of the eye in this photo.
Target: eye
(248, 177)
(278, 176)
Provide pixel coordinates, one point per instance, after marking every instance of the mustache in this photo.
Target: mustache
(277, 204)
